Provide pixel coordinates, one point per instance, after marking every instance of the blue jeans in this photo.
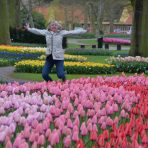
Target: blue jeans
(49, 63)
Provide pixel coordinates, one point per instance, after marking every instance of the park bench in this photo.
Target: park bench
(112, 41)
(107, 42)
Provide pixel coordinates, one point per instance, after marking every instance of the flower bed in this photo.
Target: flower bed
(86, 112)
(17, 53)
(35, 66)
(130, 64)
(117, 41)
(128, 59)
(68, 57)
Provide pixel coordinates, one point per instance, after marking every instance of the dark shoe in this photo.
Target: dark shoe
(64, 79)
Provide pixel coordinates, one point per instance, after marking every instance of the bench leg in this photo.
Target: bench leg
(118, 46)
(106, 46)
(82, 46)
(93, 46)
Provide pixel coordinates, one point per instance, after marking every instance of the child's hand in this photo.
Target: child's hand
(26, 26)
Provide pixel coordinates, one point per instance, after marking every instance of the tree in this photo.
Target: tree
(4, 23)
(139, 31)
(14, 13)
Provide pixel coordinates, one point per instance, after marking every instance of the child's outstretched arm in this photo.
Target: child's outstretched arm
(36, 31)
(76, 31)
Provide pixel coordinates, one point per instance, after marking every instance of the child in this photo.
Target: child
(54, 51)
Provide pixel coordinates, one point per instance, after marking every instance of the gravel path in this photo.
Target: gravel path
(5, 75)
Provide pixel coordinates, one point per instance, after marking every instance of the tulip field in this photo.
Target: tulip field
(101, 112)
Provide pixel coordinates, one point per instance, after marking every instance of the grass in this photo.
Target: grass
(38, 77)
(97, 59)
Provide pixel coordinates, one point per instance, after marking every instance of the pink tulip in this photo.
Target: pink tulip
(115, 107)
(67, 141)
(102, 119)
(41, 140)
(103, 112)
(65, 104)
(103, 126)
(94, 119)
(123, 113)
(45, 125)
(75, 136)
(54, 138)
(69, 123)
(116, 120)
(39, 128)
(24, 145)
(67, 115)
(95, 127)
(82, 113)
(2, 136)
(43, 108)
(34, 123)
(75, 114)
(76, 121)
(83, 129)
(34, 145)
(70, 108)
(8, 144)
(89, 126)
(109, 121)
(48, 132)
(66, 131)
(75, 128)
(2, 110)
(26, 132)
(32, 137)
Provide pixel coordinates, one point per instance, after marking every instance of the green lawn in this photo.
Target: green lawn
(97, 59)
(38, 77)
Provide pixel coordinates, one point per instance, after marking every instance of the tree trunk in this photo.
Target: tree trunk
(30, 14)
(17, 15)
(140, 33)
(66, 17)
(85, 12)
(12, 13)
(99, 28)
(137, 29)
(144, 33)
(92, 18)
(4, 23)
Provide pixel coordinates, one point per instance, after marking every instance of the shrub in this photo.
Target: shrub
(131, 67)
(88, 52)
(83, 36)
(4, 62)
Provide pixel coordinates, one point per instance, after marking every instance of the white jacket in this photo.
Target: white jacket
(54, 40)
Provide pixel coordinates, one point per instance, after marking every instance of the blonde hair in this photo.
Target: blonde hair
(54, 22)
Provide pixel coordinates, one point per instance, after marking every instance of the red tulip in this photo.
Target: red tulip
(135, 144)
(101, 141)
(80, 144)
(105, 134)
(93, 135)
(145, 139)
(107, 145)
